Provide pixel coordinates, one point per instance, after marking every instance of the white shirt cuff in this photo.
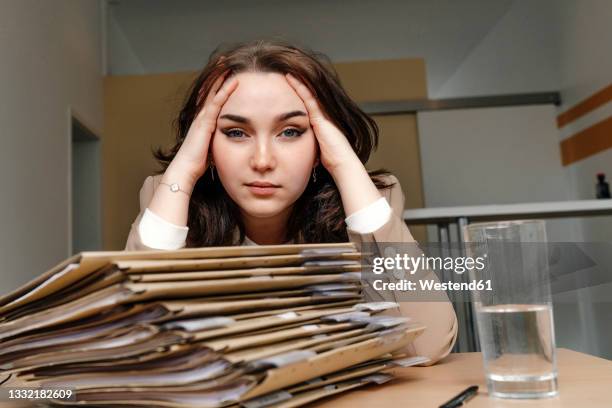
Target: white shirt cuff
(370, 218)
(157, 233)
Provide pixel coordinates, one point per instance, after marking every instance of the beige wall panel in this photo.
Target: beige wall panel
(384, 80)
(138, 112)
(398, 152)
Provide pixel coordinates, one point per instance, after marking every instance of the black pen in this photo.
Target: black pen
(463, 396)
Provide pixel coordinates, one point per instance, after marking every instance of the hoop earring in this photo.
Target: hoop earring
(212, 172)
(314, 175)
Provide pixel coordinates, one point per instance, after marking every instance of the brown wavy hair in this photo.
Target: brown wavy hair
(318, 214)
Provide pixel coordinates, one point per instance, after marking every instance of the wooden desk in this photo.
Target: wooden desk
(584, 382)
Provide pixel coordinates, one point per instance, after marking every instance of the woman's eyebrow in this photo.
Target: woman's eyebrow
(279, 118)
(289, 115)
(235, 118)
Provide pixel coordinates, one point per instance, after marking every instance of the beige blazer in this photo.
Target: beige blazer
(439, 316)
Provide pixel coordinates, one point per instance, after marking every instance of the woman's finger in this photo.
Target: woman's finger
(312, 105)
(218, 83)
(214, 89)
(213, 108)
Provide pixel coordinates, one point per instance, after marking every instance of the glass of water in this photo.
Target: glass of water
(514, 312)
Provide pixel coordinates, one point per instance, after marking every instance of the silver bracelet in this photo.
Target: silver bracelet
(174, 187)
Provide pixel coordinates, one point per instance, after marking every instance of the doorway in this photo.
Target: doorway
(85, 183)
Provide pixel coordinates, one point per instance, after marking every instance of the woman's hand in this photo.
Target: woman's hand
(336, 151)
(191, 161)
(337, 155)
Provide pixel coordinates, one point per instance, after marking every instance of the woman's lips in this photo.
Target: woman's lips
(262, 188)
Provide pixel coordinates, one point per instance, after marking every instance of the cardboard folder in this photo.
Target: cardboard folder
(80, 266)
(129, 292)
(333, 360)
(250, 387)
(171, 317)
(213, 327)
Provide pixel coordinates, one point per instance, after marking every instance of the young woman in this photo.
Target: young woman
(270, 150)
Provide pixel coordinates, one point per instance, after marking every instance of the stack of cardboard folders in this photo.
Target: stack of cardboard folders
(252, 326)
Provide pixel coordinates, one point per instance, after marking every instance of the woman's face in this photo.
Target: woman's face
(264, 149)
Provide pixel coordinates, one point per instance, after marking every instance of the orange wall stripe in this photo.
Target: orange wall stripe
(588, 142)
(591, 103)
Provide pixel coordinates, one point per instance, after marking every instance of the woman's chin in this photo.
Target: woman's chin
(264, 210)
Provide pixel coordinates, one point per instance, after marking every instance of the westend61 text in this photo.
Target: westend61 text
(431, 284)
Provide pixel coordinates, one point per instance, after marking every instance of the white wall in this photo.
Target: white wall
(501, 155)
(585, 68)
(585, 63)
(121, 56)
(490, 156)
(519, 54)
(549, 45)
(560, 45)
(51, 61)
(167, 36)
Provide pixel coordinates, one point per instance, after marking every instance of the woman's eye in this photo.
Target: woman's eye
(234, 133)
(291, 132)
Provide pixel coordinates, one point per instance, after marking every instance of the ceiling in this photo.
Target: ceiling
(169, 36)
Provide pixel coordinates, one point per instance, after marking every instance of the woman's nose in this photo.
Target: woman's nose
(263, 158)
